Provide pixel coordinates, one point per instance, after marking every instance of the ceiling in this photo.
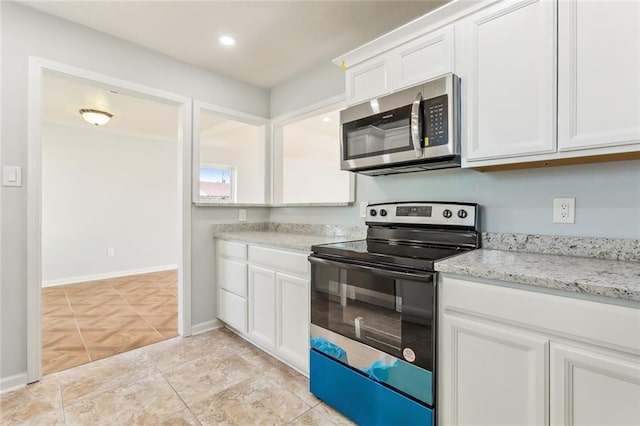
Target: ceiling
(63, 97)
(275, 39)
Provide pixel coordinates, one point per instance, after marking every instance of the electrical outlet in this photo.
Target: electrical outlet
(564, 210)
(111, 252)
(242, 215)
(363, 208)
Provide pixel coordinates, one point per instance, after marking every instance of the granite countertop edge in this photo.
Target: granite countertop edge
(287, 240)
(600, 277)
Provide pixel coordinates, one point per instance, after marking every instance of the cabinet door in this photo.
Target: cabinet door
(293, 319)
(598, 71)
(593, 387)
(262, 303)
(232, 276)
(507, 65)
(492, 375)
(427, 57)
(368, 80)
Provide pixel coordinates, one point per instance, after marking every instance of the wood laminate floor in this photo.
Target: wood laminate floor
(93, 320)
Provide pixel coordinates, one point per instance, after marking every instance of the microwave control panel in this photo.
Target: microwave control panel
(436, 121)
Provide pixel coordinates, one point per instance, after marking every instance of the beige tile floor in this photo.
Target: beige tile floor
(209, 379)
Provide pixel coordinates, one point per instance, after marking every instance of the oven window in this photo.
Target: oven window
(382, 133)
(388, 313)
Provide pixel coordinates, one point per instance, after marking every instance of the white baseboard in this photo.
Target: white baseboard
(106, 275)
(11, 383)
(203, 327)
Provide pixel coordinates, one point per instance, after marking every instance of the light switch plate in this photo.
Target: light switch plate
(12, 176)
(363, 208)
(242, 215)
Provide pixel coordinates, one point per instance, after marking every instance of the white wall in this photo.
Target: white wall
(104, 190)
(607, 194)
(607, 198)
(311, 168)
(28, 32)
(244, 148)
(322, 81)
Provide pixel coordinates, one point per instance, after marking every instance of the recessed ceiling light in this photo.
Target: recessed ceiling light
(227, 40)
(326, 119)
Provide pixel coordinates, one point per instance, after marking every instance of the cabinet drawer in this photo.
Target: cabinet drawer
(584, 319)
(232, 276)
(232, 310)
(295, 263)
(232, 250)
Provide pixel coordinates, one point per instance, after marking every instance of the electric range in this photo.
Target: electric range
(373, 310)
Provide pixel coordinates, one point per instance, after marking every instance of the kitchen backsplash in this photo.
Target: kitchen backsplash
(602, 248)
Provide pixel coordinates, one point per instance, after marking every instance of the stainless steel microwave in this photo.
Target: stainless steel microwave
(412, 130)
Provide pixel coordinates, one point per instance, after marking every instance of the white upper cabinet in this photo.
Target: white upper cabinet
(507, 64)
(368, 79)
(422, 59)
(598, 74)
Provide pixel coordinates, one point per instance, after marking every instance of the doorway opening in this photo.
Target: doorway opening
(109, 225)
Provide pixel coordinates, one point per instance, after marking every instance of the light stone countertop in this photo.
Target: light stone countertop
(287, 240)
(610, 278)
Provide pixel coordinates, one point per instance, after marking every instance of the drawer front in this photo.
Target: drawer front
(596, 322)
(279, 260)
(232, 276)
(232, 250)
(232, 310)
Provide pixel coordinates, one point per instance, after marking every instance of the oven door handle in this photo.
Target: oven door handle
(371, 269)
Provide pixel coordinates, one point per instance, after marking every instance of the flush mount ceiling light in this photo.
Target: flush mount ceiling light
(227, 40)
(95, 117)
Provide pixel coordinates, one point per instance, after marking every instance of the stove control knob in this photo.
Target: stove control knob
(373, 212)
(447, 213)
(462, 213)
(383, 212)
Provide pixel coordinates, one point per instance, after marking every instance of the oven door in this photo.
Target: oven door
(377, 320)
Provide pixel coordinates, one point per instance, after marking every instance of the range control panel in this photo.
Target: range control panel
(423, 213)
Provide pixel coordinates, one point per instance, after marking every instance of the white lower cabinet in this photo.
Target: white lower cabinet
(293, 319)
(262, 306)
(510, 356)
(265, 297)
(232, 309)
(497, 375)
(593, 387)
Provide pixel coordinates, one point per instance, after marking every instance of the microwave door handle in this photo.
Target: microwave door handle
(415, 126)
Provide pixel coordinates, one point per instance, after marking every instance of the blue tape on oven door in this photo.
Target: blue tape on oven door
(404, 376)
(328, 348)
